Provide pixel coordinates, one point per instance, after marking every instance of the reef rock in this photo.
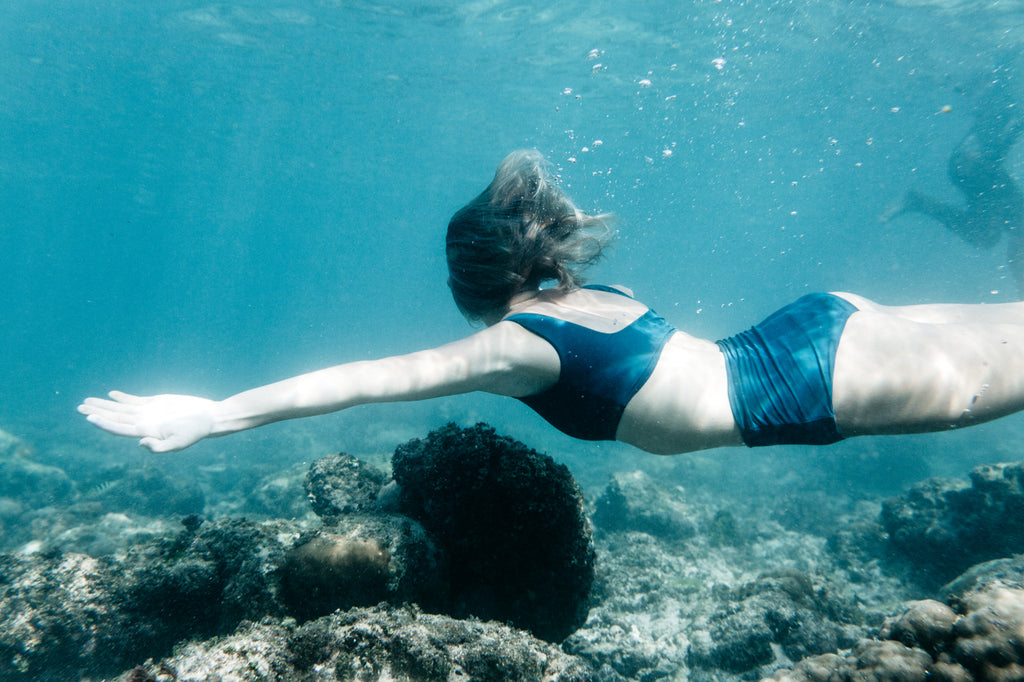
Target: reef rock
(148, 491)
(978, 637)
(943, 527)
(74, 612)
(27, 483)
(511, 521)
(96, 616)
(633, 501)
(383, 643)
(341, 484)
(1008, 572)
(782, 611)
(362, 560)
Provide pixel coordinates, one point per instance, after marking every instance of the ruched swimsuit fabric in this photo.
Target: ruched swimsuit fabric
(780, 373)
(600, 372)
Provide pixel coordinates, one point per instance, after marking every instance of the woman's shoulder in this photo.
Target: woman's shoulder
(598, 307)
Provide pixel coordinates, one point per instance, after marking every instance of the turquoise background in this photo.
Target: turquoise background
(201, 198)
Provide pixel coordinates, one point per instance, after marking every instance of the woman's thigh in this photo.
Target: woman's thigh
(927, 368)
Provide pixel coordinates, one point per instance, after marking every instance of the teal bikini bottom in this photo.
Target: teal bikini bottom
(780, 373)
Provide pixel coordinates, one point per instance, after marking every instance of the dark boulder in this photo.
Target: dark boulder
(511, 521)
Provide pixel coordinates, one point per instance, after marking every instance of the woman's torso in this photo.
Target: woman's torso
(683, 404)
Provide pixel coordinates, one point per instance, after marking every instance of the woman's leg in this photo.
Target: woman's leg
(945, 313)
(927, 368)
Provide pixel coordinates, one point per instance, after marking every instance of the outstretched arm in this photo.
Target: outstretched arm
(504, 359)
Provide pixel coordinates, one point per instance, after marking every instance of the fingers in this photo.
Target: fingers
(129, 399)
(103, 406)
(107, 411)
(118, 428)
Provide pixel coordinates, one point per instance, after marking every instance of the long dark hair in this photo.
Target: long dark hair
(518, 233)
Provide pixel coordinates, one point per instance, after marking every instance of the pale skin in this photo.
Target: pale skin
(898, 370)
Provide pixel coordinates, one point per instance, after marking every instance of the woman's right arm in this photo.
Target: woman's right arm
(504, 359)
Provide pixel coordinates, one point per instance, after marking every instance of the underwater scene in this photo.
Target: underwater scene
(201, 198)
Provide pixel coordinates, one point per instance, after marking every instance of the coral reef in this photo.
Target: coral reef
(74, 612)
(980, 638)
(98, 615)
(944, 526)
(510, 520)
(633, 501)
(61, 612)
(382, 643)
(780, 610)
(341, 484)
(384, 580)
(361, 560)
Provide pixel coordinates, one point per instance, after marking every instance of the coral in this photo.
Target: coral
(359, 561)
(511, 522)
(382, 643)
(782, 609)
(943, 527)
(981, 639)
(990, 635)
(633, 501)
(331, 571)
(869, 661)
(1008, 572)
(341, 484)
(73, 612)
(926, 624)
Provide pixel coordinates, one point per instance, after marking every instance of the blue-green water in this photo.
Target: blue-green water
(205, 197)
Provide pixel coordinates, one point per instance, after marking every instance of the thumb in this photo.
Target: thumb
(155, 445)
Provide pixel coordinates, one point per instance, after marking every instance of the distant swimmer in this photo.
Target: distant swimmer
(994, 203)
(600, 365)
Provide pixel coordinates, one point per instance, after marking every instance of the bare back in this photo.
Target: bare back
(683, 405)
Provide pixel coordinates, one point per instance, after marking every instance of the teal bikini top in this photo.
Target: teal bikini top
(600, 372)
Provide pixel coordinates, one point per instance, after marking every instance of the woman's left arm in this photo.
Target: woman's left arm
(504, 359)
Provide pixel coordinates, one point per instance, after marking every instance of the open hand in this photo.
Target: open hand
(162, 423)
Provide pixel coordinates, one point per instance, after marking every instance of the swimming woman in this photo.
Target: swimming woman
(600, 365)
(994, 203)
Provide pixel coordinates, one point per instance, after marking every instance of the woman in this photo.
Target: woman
(600, 365)
(993, 202)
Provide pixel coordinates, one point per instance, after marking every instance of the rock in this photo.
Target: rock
(371, 644)
(96, 616)
(12, 446)
(32, 484)
(633, 501)
(783, 609)
(869, 661)
(511, 522)
(982, 638)
(57, 616)
(149, 491)
(360, 561)
(1008, 572)
(926, 624)
(341, 484)
(943, 527)
(990, 635)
